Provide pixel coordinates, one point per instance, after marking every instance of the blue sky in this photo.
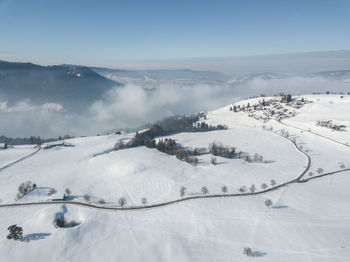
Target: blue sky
(102, 32)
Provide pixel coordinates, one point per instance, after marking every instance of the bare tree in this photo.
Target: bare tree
(144, 201)
(247, 251)
(342, 165)
(243, 189)
(102, 201)
(311, 173)
(204, 190)
(263, 186)
(319, 170)
(119, 145)
(122, 201)
(213, 161)
(182, 191)
(224, 189)
(268, 203)
(272, 182)
(21, 188)
(87, 197)
(256, 157)
(252, 188)
(261, 159)
(52, 191)
(68, 191)
(248, 159)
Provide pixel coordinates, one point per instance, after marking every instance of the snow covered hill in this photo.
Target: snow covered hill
(308, 221)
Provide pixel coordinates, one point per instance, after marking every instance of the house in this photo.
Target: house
(3, 146)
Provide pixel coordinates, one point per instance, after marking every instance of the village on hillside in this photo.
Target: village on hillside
(274, 108)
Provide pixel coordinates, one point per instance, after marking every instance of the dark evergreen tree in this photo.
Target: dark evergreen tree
(15, 232)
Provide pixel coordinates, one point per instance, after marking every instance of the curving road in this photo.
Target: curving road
(311, 132)
(299, 179)
(96, 206)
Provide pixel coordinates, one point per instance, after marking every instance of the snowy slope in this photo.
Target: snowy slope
(308, 222)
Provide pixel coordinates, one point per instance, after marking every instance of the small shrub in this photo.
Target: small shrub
(144, 201)
(101, 201)
(268, 203)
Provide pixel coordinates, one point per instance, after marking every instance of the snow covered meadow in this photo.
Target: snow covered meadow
(307, 222)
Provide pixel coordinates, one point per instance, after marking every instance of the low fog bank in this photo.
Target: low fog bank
(132, 105)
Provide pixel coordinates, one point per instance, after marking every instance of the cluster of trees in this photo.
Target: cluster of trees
(170, 147)
(218, 149)
(15, 232)
(24, 188)
(171, 125)
(221, 150)
(256, 158)
(204, 127)
(176, 124)
(252, 187)
(286, 98)
(62, 222)
(187, 123)
(142, 139)
(34, 140)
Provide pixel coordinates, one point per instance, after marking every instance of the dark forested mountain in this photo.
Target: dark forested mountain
(72, 86)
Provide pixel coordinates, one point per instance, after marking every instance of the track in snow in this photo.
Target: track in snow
(19, 160)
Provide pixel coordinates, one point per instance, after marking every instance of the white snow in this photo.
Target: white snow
(308, 222)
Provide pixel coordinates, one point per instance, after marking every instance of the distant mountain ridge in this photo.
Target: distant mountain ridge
(72, 86)
(165, 74)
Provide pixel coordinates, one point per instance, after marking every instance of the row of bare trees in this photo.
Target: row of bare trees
(224, 188)
(252, 187)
